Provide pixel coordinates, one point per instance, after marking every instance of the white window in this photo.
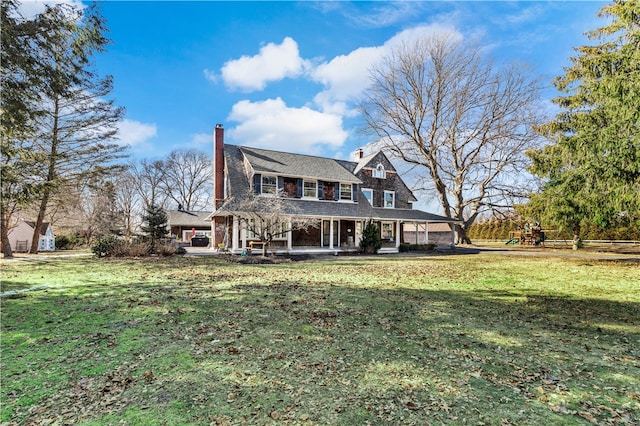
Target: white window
(269, 184)
(345, 191)
(251, 229)
(310, 189)
(368, 194)
(379, 172)
(389, 199)
(387, 231)
(279, 230)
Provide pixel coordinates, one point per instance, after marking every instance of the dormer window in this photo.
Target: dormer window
(310, 189)
(379, 172)
(269, 184)
(345, 191)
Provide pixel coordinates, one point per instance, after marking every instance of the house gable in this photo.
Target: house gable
(379, 176)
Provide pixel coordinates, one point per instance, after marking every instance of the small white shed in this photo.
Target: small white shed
(20, 237)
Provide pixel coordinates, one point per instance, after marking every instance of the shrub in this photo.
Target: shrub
(166, 250)
(181, 250)
(68, 242)
(370, 242)
(105, 245)
(137, 250)
(63, 242)
(119, 249)
(404, 247)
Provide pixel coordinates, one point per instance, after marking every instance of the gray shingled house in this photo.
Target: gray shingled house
(342, 195)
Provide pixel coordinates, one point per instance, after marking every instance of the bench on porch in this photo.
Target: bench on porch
(256, 244)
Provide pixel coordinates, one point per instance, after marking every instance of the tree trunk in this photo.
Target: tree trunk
(51, 175)
(461, 235)
(35, 240)
(577, 241)
(4, 238)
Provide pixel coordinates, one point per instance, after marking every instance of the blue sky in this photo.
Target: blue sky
(288, 75)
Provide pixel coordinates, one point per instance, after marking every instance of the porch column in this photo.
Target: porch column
(243, 235)
(453, 236)
(289, 235)
(426, 232)
(417, 226)
(234, 233)
(331, 233)
(398, 233)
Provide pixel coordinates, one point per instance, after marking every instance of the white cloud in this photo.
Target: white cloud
(272, 124)
(202, 141)
(345, 77)
(30, 8)
(211, 76)
(527, 14)
(385, 14)
(274, 62)
(135, 133)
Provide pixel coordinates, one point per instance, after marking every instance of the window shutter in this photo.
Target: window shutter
(299, 185)
(354, 192)
(280, 184)
(336, 191)
(320, 190)
(257, 181)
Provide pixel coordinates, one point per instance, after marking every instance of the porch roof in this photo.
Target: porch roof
(347, 210)
(410, 215)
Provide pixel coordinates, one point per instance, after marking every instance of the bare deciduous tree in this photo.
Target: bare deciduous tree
(188, 179)
(463, 124)
(268, 217)
(127, 200)
(149, 177)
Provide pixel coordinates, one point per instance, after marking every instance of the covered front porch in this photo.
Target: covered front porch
(329, 235)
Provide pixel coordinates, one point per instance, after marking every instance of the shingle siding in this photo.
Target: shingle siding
(247, 165)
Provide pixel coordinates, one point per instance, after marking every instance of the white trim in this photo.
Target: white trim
(350, 192)
(275, 185)
(393, 199)
(379, 172)
(308, 197)
(234, 231)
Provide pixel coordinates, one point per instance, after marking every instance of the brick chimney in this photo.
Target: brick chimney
(358, 154)
(218, 166)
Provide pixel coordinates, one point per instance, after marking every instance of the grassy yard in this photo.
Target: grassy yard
(475, 339)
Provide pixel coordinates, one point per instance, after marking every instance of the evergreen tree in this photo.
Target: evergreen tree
(18, 110)
(592, 167)
(77, 123)
(154, 225)
(371, 241)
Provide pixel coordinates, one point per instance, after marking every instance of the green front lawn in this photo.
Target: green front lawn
(475, 339)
